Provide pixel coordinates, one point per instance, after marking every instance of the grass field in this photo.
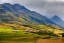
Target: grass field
(17, 33)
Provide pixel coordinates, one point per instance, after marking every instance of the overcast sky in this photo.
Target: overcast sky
(47, 8)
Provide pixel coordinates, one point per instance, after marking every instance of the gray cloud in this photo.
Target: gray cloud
(47, 8)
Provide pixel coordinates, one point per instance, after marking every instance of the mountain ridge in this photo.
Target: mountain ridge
(24, 15)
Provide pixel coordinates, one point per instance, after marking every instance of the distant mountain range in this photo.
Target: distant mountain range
(16, 12)
(58, 21)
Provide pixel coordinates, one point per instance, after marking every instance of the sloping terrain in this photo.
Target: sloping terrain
(18, 23)
(17, 12)
(58, 21)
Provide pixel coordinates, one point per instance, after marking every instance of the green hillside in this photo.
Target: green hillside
(28, 30)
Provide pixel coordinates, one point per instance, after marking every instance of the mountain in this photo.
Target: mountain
(58, 21)
(18, 13)
(17, 21)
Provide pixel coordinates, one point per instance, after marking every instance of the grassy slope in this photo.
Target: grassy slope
(18, 32)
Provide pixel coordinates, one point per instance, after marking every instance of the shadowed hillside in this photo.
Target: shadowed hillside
(17, 12)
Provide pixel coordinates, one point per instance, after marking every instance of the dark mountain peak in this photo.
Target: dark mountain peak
(7, 7)
(7, 4)
(56, 18)
(58, 21)
(19, 6)
(20, 9)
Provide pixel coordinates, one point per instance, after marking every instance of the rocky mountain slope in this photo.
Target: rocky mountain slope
(19, 13)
